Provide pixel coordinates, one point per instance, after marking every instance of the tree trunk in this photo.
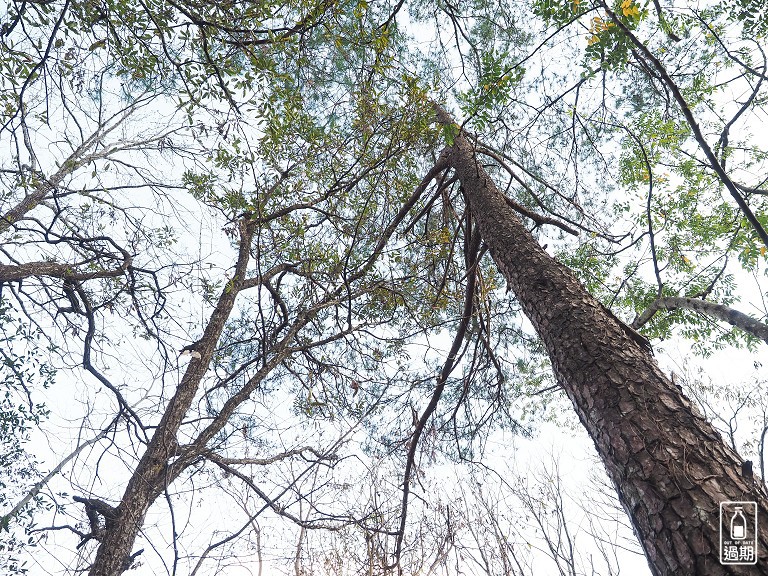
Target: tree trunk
(670, 467)
(153, 471)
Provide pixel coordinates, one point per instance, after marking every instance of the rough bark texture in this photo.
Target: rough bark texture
(16, 272)
(670, 467)
(31, 200)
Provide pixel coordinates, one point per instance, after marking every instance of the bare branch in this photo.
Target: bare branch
(47, 478)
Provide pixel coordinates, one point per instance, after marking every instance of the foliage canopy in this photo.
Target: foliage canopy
(259, 178)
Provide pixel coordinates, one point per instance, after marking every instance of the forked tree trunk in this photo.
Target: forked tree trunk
(670, 467)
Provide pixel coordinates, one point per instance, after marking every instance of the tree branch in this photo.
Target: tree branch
(719, 311)
(714, 163)
(58, 468)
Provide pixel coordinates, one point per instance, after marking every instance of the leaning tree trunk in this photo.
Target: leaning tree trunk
(670, 467)
(154, 471)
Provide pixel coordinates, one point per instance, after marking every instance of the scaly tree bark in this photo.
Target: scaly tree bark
(670, 467)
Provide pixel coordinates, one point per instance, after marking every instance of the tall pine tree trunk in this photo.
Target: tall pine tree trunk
(670, 467)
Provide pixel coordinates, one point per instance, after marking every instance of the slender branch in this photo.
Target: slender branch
(10, 273)
(271, 460)
(273, 502)
(748, 190)
(42, 186)
(663, 22)
(691, 120)
(539, 218)
(47, 478)
(723, 141)
(87, 347)
(448, 366)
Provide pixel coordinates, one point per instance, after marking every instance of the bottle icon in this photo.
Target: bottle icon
(738, 525)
